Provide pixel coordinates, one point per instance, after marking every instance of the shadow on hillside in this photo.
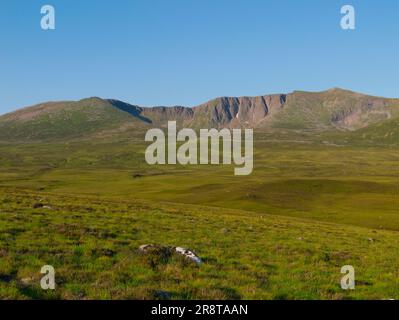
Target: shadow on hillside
(130, 109)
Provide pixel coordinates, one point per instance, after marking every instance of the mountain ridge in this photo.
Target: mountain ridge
(333, 109)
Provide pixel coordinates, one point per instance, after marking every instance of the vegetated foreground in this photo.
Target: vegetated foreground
(92, 243)
(76, 193)
(282, 233)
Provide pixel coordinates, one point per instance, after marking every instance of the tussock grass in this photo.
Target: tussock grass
(92, 243)
(284, 232)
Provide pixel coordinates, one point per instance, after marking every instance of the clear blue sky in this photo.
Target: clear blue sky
(184, 52)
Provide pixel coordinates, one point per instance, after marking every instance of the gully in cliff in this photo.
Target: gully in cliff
(162, 151)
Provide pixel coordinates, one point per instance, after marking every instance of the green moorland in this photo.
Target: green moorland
(313, 204)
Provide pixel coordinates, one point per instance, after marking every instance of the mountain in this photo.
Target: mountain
(334, 109)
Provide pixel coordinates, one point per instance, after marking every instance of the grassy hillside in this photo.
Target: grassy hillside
(66, 120)
(342, 184)
(333, 110)
(281, 233)
(92, 243)
(76, 193)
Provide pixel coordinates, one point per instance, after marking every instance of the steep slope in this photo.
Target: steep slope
(54, 120)
(237, 112)
(334, 109)
(331, 110)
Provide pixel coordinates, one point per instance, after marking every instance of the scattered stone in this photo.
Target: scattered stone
(167, 251)
(41, 205)
(26, 281)
(147, 247)
(188, 254)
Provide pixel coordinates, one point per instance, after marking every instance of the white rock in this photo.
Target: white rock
(144, 247)
(188, 254)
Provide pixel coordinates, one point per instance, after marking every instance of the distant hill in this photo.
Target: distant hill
(334, 109)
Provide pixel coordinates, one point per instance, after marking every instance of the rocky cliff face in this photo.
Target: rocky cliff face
(238, 112)
(335, 109)
(221, 112)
